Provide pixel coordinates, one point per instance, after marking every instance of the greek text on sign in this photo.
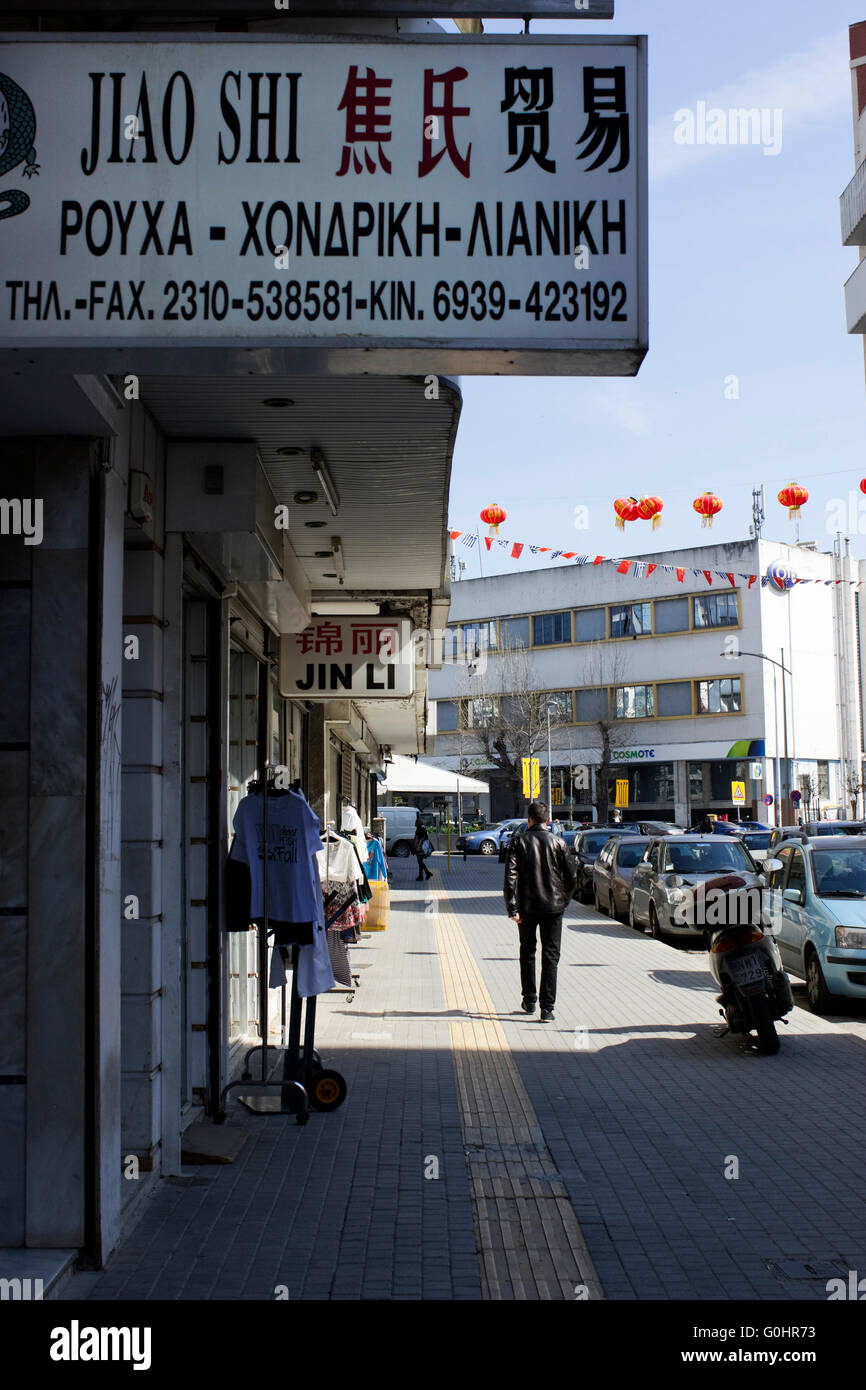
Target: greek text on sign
(363, 657)
(468, 198)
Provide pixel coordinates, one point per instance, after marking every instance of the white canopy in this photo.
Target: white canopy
(406, 775)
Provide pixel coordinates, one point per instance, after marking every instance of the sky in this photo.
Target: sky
(747, 270)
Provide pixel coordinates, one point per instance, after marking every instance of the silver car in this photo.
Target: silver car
(664, 883)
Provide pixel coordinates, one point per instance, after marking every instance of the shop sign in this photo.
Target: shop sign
(628, 755)
(477, 204)
(369, 658)
(621, 793)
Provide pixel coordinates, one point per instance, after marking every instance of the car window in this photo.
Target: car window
(757, 840)
(629, 855)
(840, 872)
(710, 856)
(797, 873)
(594, 844)
(654, 857)
(778, 878)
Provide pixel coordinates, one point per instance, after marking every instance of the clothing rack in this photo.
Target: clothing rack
(305, 1082)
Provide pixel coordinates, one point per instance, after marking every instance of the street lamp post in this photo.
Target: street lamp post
(785, 787)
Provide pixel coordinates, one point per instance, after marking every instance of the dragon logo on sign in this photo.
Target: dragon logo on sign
(17, 133)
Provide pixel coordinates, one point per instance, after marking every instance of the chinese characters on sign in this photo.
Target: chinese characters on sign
(491, 205)
(346, 656)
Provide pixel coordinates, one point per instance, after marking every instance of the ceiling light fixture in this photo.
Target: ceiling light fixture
(288, 450)
(320, 468)
(304, 498)
(277, 402)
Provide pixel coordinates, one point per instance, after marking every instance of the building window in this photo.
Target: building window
(824, 781)
(720, 697)
(480, 713)
(716, 610)
(562, 700)
(674, 697)
(634, 702)
(591, 705)
(631, 620)
(451, 645)
(515, 632)
(722, 774)
(696, 782)
(589, 624)
(447, 716)
(550, 629)
(672, 615)
(479, 637)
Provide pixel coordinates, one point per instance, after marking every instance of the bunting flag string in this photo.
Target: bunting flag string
(641, 569)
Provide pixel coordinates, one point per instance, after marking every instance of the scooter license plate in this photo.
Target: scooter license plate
(746, 970)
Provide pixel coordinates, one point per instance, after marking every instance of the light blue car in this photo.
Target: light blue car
(817, 902)
(486, 841)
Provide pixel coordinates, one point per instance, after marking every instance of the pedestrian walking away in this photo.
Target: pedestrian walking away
(540, 876)
(421, 848)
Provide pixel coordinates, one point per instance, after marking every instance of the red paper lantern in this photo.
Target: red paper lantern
(863, 484)
(793, 497)
(650, 509)
(626, 509)
(493, 516)
(707, 505)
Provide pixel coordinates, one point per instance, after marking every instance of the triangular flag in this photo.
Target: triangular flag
(488, 541)
(733, 582)
(649, 570)
(568, 554)
(516, 549)
(681, 574)
(599, 560)
(752, 578)
(542, 548)
(708, 576)
(455, 534)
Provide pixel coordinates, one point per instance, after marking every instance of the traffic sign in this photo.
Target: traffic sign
(738, 793)
(795, 796)
(768, 800)
(756, 771)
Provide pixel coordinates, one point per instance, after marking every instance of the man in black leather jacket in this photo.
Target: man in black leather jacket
(540, 875)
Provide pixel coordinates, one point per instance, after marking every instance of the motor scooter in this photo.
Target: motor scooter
(745, 962)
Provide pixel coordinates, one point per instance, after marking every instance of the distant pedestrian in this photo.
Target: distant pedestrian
(540, 875)
(421, 847)
(708, 825)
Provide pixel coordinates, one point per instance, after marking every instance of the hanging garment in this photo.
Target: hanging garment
(339, 958)
(338, 861)
(315, 973)
(353, 826)
(376, 865)
(293, 840)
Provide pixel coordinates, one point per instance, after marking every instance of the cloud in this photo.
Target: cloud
(809, 87)
(627, 414)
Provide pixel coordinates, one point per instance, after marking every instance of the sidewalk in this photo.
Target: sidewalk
(581, 1159)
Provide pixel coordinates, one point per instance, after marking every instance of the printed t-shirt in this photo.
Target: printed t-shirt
(294, 891)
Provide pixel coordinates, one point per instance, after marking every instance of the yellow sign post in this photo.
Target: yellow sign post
(621, 792)
(531, 778)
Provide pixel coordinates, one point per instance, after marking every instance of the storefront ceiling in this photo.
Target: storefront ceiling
(388, 449)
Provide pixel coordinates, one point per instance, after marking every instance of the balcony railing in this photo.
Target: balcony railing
(852, 208)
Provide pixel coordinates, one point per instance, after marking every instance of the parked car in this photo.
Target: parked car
(612, 873)
(818, 827)
(739, 827)
(486, 841)
(511, 828)
(673, 867)
(653, 827)
(758, 843)
(586, 849)
(818, 905)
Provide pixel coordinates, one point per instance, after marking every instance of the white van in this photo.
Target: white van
(400, 829)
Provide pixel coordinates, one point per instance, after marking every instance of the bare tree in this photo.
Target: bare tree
(807, 788)
(504, 714)
(854, 785)
(602, 672)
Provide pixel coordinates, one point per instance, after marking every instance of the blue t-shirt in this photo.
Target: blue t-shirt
(294, 890)
(375, 864)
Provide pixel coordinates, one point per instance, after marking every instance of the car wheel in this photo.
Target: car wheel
(402, 849)
(611, 907)
(655, 925)
(821, 1001)
(489, 847)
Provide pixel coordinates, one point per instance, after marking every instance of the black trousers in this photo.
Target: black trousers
(422, 867)
(549, 927)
